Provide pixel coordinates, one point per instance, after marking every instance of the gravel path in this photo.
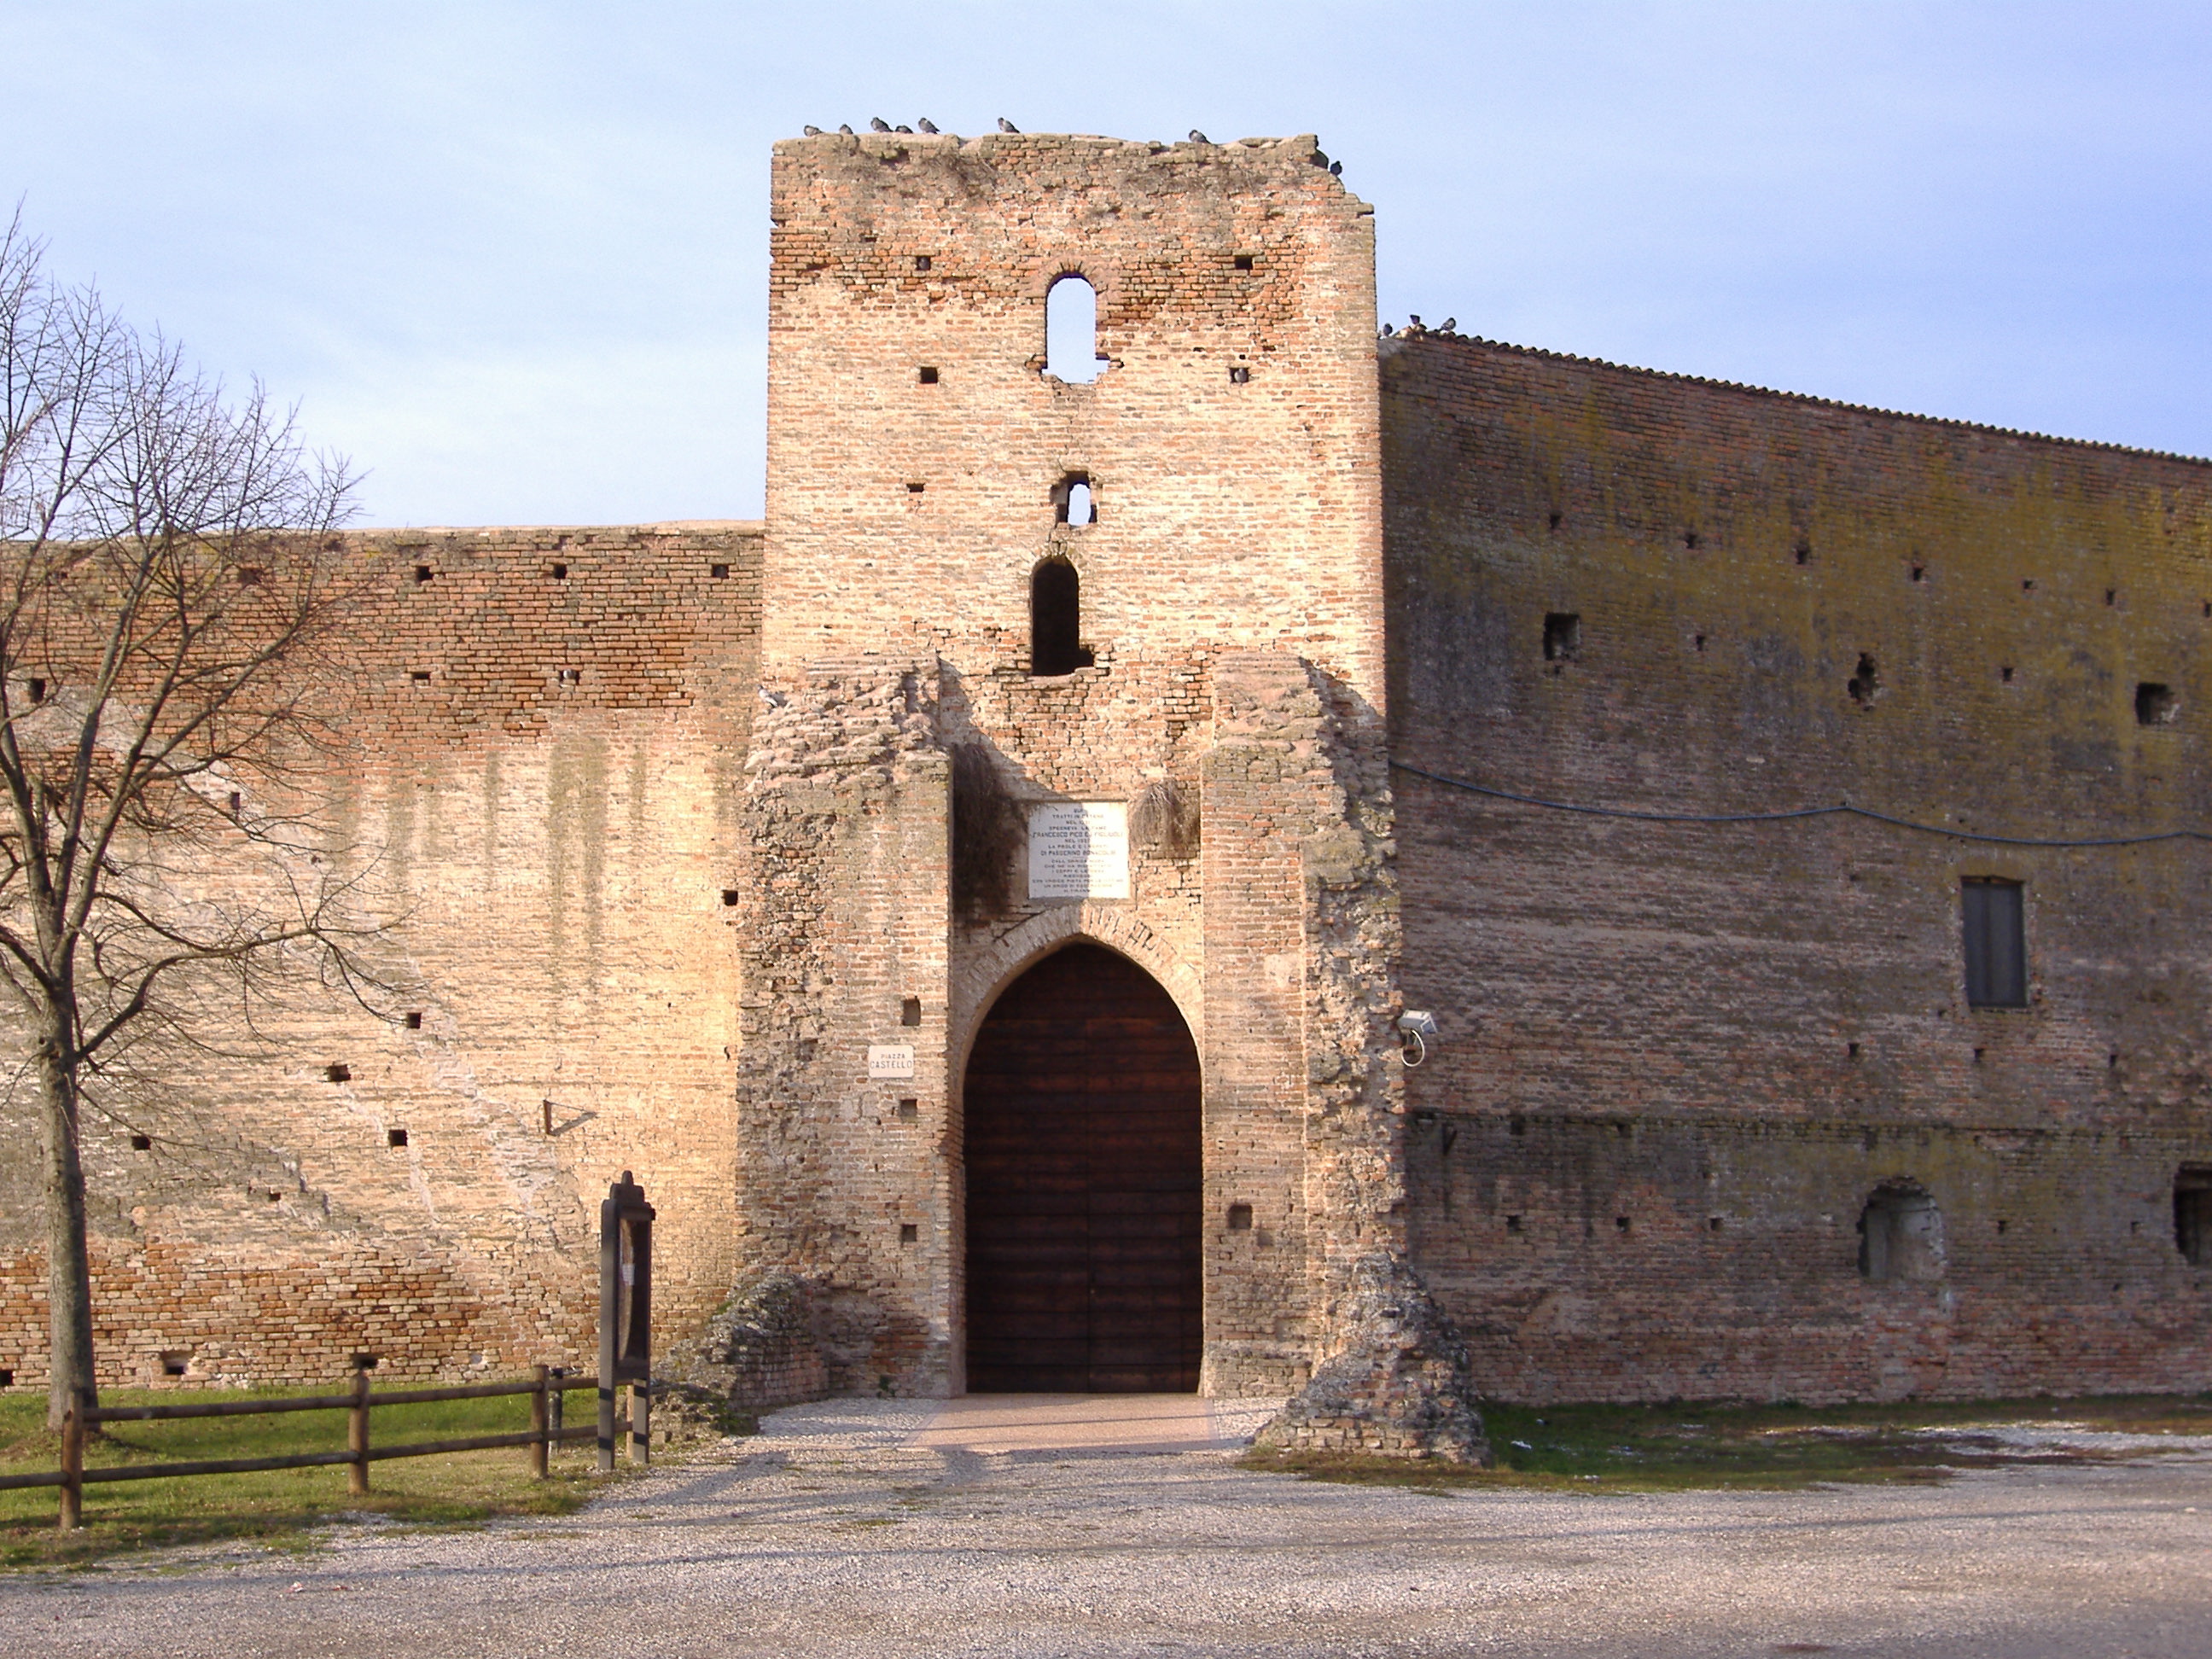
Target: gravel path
(857, 1528)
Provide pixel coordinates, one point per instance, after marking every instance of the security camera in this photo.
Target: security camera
(1416, 1026)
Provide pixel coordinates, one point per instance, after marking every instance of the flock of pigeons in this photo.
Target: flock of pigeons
(876, 124)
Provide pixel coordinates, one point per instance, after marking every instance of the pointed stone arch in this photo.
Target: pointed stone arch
(978, 981)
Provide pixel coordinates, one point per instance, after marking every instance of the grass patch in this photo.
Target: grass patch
(1675, 1448)
(279, 1508)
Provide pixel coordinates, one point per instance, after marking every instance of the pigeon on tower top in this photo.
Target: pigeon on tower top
(1005, 126)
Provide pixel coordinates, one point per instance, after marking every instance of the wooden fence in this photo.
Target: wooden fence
(545, 1432)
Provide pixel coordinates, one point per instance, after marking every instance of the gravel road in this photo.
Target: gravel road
(865, 1528)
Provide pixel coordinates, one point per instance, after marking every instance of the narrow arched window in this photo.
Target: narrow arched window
(1072, 501)
(1057, 620)
(1071, 331)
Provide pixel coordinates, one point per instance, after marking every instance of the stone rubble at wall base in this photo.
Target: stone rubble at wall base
(1398, 1384)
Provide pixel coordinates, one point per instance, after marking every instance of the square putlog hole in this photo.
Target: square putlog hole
(395, 1137)
(1240, 1218)
(908, 1111)
(910, 1233)
(910, 1011)
(2156, 704)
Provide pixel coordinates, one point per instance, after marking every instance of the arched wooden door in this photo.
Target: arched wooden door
(1085, 1184)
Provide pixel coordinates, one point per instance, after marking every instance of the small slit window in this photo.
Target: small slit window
(1057, 620)
(1994, 915)
(2192, 1214)
(1071, 331)
(1562, 636)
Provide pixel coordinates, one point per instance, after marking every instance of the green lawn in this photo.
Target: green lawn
(280, 1506)
(1675, 1447)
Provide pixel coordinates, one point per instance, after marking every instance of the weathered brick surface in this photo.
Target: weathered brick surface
(556, 853)
(1724, 1036)
(678, 830)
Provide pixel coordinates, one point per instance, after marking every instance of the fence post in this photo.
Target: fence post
(357, 1436)
(641, 1422)
(537, 1425)
(609, 1312)
(72, 1515)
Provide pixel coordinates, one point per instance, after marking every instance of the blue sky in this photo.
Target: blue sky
(510, 258)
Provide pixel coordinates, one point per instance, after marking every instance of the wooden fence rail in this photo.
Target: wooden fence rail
(545, 1432)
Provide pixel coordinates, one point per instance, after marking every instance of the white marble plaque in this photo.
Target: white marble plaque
(1079, 849)
(891, 1060)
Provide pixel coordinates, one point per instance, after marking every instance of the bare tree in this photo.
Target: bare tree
(169, 589)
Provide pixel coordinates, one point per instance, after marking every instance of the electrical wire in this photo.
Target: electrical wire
(1843, 808)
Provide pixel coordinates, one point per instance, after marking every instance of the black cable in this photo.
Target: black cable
(1842, 810)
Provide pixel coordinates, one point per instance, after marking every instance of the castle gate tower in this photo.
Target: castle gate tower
(1064, 919)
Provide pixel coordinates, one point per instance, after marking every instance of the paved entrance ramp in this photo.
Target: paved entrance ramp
(1074, 1422)
(892, 1433)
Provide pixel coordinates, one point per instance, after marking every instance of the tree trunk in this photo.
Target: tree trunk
(69, 1267)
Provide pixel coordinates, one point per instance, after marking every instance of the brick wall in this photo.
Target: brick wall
(673, 819)
(1762, 1022)
(555, 851)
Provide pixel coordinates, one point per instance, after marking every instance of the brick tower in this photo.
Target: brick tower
(1066, 643)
